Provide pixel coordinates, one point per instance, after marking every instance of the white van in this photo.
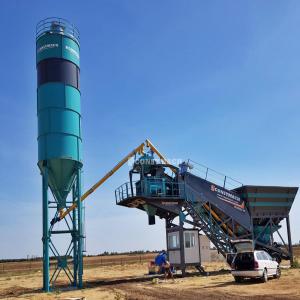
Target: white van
(250, 263)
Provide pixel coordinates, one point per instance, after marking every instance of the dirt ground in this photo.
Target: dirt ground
(130, 282)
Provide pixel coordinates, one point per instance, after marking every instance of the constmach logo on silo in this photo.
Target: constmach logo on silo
(51, 46)
(74, 52)
(47, 46)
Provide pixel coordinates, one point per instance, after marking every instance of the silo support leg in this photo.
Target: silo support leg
(74, 237)
(80, 230)
(46, 237)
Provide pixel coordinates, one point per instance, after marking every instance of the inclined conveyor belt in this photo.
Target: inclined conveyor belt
(223, 201)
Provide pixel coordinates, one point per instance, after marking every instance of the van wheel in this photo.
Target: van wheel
(238, 279)
(278, 273)
(264, 277)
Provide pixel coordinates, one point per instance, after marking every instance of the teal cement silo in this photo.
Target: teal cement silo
(59, 135)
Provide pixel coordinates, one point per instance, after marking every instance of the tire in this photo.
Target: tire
(238, 279)
(278, 273)
(264, 277)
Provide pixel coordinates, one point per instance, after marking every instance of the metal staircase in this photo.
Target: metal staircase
(196, 206)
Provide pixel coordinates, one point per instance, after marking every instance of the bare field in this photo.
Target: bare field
(128, 281)
(89, 261)
(296, 251)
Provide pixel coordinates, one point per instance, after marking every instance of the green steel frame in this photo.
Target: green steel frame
(70, 261)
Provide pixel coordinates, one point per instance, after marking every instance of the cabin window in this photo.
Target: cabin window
(189, 238)
(173, 241)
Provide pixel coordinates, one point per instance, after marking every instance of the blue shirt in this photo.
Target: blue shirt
(161, 259)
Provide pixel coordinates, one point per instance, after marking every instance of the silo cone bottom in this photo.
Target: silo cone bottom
(61, 175)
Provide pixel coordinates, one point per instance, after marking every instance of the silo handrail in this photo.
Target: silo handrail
(68, 29)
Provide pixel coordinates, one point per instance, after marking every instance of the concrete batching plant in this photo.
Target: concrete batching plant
(219, 210)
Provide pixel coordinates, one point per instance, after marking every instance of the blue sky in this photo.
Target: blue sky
(215, 81)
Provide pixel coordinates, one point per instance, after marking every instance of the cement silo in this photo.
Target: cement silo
(59, 137)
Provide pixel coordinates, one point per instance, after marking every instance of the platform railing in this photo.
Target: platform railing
(150, 188)
(214, 176)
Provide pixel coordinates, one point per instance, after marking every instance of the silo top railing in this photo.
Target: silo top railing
(57, 25)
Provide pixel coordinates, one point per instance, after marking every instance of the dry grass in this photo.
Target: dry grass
(296, 250)
(129, 282)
